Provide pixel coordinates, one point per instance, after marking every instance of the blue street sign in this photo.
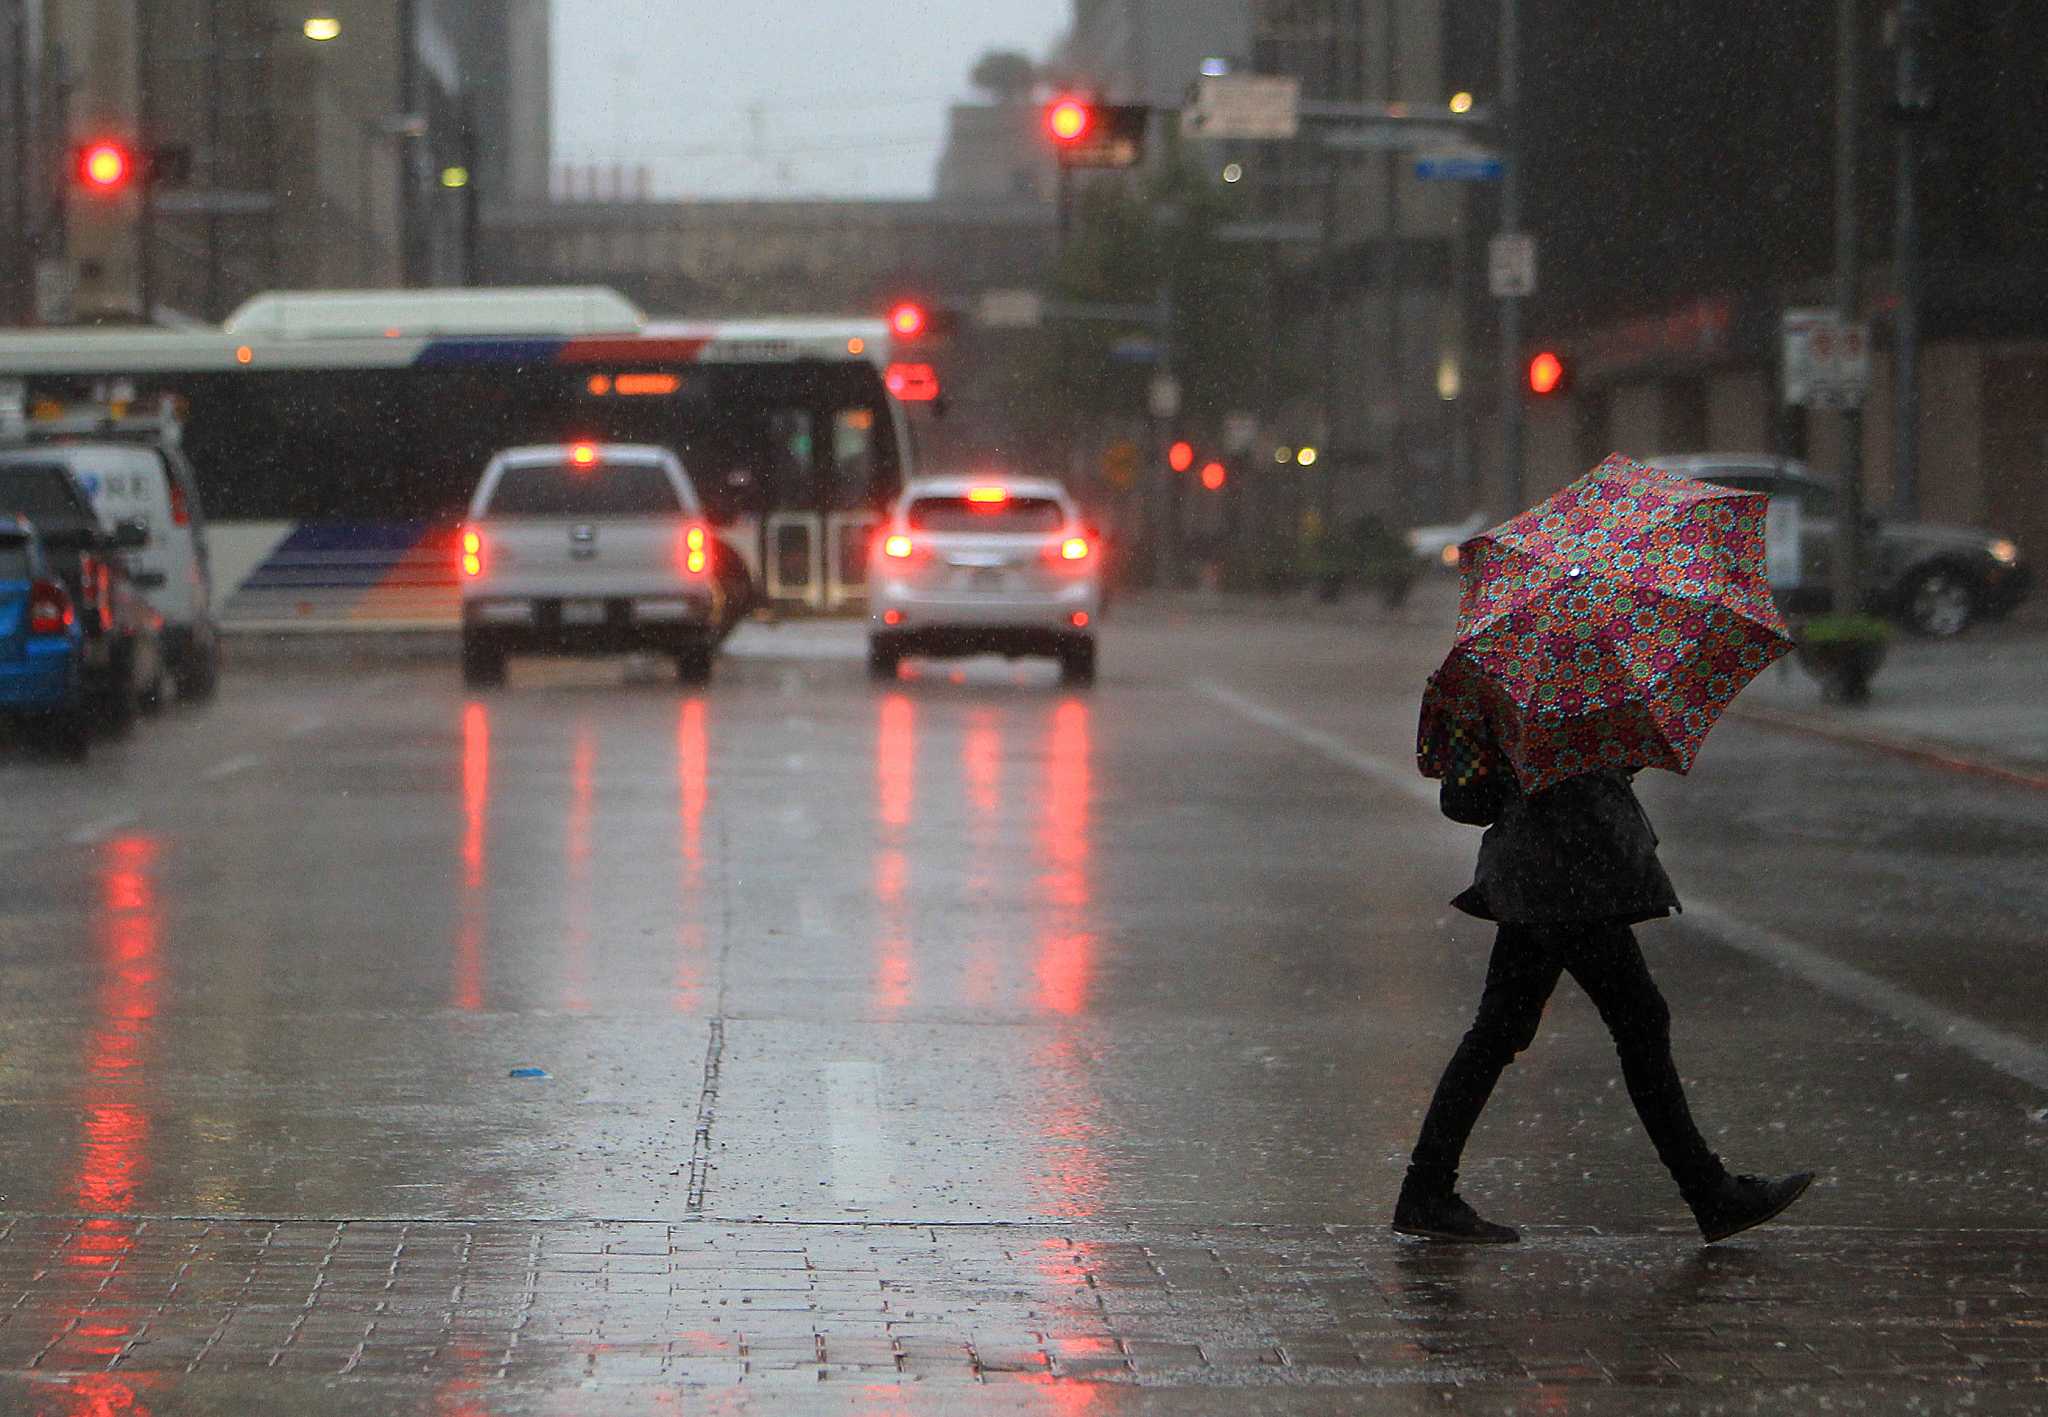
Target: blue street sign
(1134, 351)
(1458, 168)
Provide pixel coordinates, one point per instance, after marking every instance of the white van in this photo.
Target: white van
(145, 479)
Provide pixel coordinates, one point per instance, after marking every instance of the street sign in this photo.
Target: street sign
(1163, 398)
(1259, 107)
(1011, 310)
(1474, 166)
(1826, 360)
(1136, 350)
(1511, 265)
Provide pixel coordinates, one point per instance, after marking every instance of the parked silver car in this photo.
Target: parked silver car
(1936, 579)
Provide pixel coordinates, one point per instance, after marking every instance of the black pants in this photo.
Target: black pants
(1608, 964)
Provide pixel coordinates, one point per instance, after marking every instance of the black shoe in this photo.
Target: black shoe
(1447, 1217)
(1741, 1202)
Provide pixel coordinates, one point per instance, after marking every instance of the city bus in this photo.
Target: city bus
(347, 429)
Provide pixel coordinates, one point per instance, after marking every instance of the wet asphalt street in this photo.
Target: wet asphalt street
(971, 1044)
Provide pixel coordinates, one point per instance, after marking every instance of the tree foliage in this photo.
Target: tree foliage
(1004, 75)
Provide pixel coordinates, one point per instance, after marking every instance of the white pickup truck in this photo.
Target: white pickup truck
(587, 548)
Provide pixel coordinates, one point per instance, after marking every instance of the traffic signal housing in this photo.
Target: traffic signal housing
(108, 167)
(1089, 134)
(1549, 375)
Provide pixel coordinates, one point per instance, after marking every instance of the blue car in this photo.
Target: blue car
(42, 645)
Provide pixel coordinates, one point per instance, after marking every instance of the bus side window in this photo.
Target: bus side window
(853, 458)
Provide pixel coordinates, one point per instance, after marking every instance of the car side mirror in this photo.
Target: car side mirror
(130, 535)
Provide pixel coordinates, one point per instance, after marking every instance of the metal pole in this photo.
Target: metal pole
(408, 99)
(1849, 513)
(22, 251)
(1394, 472)
(145, 187)
(1510, 220)
(214, 185)
(1326, 430)
(1166, 528)
(1911, 108)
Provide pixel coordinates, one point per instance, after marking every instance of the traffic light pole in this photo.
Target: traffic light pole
(1510, 224)
(145, 184)
(1910, 110)
(1848, 577)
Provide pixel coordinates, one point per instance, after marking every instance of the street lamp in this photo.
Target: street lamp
(321, 28)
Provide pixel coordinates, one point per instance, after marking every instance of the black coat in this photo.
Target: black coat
(1582, 850)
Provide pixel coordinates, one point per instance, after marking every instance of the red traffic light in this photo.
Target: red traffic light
(1546, 373)
(1181, 456)
(908, 319)
(105, 166)
(1214, 475)
(1068, 120)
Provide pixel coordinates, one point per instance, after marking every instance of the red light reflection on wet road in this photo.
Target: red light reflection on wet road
(693, 793)
(476, 803)
(114, 1128)
(1066, 945)
(895, 800)
(576, 850)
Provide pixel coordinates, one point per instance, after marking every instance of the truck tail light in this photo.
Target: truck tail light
(49, 609)
(898, 548)
(696, 550)
(472, 552)
(181, 505)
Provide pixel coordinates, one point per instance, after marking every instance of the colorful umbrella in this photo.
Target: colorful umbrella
(1608, 626)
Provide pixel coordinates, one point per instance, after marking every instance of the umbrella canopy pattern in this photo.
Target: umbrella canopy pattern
(1608, 626)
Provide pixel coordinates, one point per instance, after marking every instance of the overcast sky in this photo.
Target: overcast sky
(766, 98)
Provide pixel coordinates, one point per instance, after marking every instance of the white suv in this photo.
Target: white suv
(984, 566)
(587, 548)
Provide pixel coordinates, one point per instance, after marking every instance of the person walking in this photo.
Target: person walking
(1567, 873)
(1600, 632)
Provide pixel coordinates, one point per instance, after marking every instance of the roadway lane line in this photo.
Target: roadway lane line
(859, 1144)
(228, 767)
(2007, 1053)
(1401, 777)
(99, 829)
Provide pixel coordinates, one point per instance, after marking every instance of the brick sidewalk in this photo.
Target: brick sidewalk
(160, 1304)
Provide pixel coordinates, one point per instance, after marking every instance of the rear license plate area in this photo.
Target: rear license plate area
(583, 612)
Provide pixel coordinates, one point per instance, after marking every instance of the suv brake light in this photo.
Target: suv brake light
(181, 505)
(472, 552)
(49, 609)
(898, 548)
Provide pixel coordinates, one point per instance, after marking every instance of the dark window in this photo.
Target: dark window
(43, 493)
(615, 490)
(13, 561)
(1018, 515)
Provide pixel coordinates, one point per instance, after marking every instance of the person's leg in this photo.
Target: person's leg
(1609, 966)
(1519, 981)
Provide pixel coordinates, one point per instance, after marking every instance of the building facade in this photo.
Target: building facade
(299, 163)
(1682, 213)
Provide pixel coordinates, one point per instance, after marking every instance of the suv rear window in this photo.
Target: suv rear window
(13, 561)
(1019, 514)
(607, 490)
(43, 493)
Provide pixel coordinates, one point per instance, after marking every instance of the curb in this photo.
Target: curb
(1912, 750)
